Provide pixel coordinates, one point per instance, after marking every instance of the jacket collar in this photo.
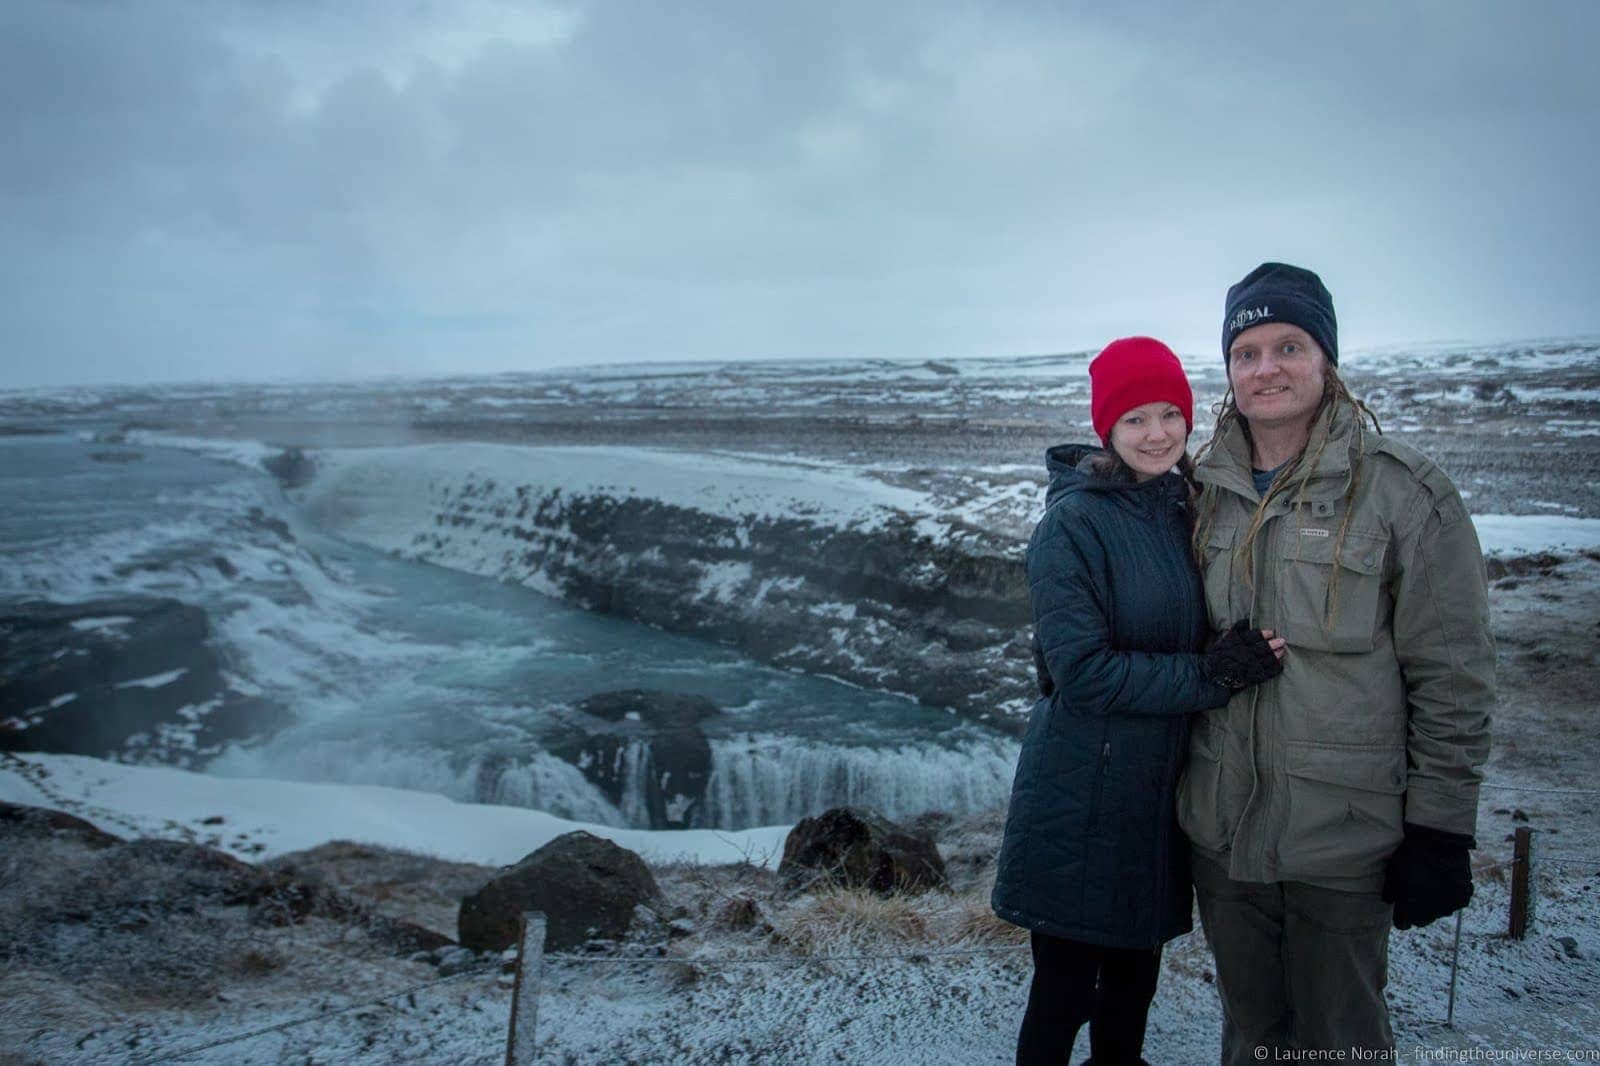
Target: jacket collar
(1226, 465)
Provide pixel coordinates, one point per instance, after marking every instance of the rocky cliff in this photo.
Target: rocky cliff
(822, 573)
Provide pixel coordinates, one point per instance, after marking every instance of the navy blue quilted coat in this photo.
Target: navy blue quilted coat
(1092, 849)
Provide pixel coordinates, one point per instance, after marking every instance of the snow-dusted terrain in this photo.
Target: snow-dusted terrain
(917, 983)
(398, 639)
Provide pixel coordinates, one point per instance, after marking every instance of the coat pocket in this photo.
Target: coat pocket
(1218, 576)
(1346, 808)
(1327, 605)
(1200, 803)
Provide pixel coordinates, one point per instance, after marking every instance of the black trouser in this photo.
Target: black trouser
(1073, 983)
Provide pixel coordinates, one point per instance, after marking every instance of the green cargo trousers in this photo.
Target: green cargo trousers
(1298, 967)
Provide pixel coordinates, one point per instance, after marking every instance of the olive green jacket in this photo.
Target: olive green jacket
(1381, 714)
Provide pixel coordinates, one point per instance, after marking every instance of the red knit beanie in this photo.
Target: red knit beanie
(1130, 373)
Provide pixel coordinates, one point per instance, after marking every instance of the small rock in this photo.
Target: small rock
(1569, 944)
(740, 913)
(859, 848)
(1519, 815)
(679, 928)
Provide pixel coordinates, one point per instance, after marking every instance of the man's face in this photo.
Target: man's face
(1276, 371)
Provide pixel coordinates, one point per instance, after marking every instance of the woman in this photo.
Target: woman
(1093, 862)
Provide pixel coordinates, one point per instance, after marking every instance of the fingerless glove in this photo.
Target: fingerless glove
(1240, 657)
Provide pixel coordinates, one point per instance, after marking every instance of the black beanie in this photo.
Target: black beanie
(1278, 292)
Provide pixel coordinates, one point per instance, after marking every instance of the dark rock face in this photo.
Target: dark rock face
(655, 738)
(857, 848)
(18, 820)
(124, 676)
(291, 467)
(888, 608)
(586, 887)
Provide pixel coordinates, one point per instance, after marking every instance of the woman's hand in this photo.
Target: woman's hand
(1242, 657)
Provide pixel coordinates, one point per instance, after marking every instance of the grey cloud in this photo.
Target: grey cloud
(372, 188)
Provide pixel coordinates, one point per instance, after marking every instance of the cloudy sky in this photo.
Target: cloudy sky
(338, 188)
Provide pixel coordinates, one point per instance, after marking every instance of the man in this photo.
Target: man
(1341, 796)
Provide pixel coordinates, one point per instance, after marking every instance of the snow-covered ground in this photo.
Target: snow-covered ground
(262, 819)
(913, 986)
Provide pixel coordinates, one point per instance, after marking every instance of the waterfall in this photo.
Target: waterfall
(755, 780)
(535, 780)
(776, 780)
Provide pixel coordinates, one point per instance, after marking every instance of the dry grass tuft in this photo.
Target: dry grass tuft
(834, 918)
(976, 923)
(838, 919)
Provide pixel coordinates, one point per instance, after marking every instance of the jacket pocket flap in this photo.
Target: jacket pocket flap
(1361, 552)
(1222, 537)
(1371, 769)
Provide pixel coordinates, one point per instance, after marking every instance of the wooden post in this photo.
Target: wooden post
(525, 991)
(1521, 883)
(1455, 965)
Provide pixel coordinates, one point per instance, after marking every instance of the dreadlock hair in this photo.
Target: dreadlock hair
(1336, 396)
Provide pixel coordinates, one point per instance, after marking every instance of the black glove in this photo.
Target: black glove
(1241, 657)
(1429, 876)
(1046, 686)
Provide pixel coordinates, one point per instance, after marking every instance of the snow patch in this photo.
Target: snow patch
(1501, 534)
(155, 680)
(285, 816)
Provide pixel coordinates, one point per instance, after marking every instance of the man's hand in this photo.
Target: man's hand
(1429, 876)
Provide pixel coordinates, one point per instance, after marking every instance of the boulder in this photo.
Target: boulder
(586, 888)
(859, 848)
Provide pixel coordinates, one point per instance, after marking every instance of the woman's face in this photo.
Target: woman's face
(1150, 439)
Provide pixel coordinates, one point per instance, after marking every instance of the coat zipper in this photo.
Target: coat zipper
(1099, 785)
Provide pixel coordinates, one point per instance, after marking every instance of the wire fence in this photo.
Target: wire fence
(500, 965)
(1501, 787)
(698, 961)
(731, 961)
(307, 1019)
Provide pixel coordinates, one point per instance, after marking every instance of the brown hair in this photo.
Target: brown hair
(1109, 466)
(1335, 397)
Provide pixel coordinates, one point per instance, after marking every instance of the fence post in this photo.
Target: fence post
(525, 991)
(1455, 966)
(1521, 882)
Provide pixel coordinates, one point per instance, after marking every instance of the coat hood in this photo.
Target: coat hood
(1070, 468)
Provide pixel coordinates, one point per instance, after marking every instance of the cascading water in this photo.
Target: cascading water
(538, 781)
(773, 781)
(407, 675)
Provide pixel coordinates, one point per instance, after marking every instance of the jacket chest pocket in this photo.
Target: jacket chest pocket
(1218, 574)
(1328, 604)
